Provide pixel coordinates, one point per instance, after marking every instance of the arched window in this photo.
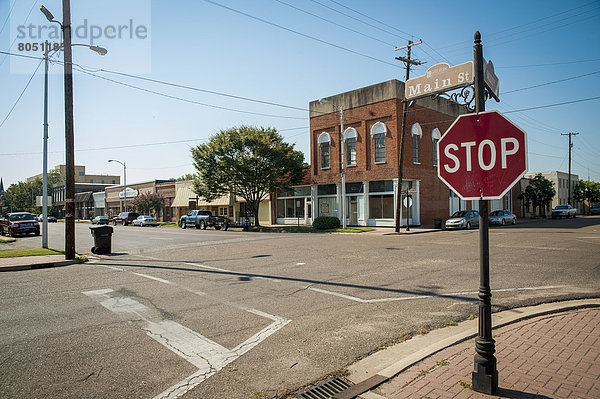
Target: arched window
(435, 137)
(378, 131)
(350, 137)
(324, 148)
(416, 133)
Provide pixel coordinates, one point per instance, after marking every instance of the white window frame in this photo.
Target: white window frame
(350, 134)
(436, 135)
(324, 140)
(378, 132)
(416, 133)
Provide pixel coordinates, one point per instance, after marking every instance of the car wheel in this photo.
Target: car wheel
(514, 221)
(12, 233)
(217, 227)
(468, 225)
(202, 225)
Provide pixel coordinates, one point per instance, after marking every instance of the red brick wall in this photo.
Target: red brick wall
(433, 193)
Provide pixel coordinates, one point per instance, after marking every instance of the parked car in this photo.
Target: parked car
(125, 218)
(563, 211)
(51, 219)
(102, 219)
(463, 220)
(502, 218)
(595, 209)
(145, 220)
(201, 219)
(19, 223)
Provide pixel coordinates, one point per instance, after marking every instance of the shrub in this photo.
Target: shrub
(326, 223)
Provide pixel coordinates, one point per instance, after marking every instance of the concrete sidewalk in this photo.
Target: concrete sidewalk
(34, 262)
(545, 351)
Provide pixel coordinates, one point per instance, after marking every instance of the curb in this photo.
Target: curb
(382, 366)
(35, 266)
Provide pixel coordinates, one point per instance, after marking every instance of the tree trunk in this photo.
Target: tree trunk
(255, 205)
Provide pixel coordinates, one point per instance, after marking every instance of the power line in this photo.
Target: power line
(21, 95)
(300, 33)
(8, 16)
(15, 39)
(550, 83)
(549, 64)
(553, 105)
(334, 23)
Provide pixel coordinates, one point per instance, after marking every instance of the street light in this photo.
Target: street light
(101, 51)
(124, 183)
(343, 145)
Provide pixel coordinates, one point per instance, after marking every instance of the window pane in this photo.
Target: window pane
(415, 141)
(379, 186)
(289, 208)
(299, 202)
(324, 155)
(280, 208)
(351, 151)
(379, 147)
(381, 206)
(435, 152)
(327, 189)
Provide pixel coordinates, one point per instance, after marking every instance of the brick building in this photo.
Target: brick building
(372, 128)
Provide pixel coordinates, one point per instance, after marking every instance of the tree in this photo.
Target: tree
(147, 202)
(540, 192)
(587, 190)
(248, 162)
(187, 176)
(20, 197)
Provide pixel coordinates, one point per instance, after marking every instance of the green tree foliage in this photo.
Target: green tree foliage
(187, 176)
(248, 162)
(20, 197)
(540, 192)
(587, 190)
(146, 203)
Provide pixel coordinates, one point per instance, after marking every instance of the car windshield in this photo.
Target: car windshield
(459, 214)
(24, 216)
(496, 213)
(561, 207)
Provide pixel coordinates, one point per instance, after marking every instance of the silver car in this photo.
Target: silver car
(144, 220)
(502, 218)
(463, 220)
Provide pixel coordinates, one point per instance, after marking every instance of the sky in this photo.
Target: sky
(178, 72)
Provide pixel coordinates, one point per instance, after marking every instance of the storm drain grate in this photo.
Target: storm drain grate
(326, 390)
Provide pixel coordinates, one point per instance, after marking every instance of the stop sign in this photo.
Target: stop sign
(481, 156)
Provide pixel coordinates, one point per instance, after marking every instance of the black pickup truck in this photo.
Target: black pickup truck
(202, 219)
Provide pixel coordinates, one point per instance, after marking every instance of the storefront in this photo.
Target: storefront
(294, 206)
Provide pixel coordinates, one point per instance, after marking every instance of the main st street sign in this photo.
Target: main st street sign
(481, 156)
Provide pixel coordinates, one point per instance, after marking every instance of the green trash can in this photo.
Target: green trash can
(437, 223)
(102, 239)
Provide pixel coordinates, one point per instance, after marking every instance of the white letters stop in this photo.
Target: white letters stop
(508, 146)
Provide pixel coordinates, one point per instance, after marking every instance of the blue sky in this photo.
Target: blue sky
(170, 79)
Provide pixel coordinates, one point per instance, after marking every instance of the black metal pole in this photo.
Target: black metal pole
(69, 135)
(485, 374)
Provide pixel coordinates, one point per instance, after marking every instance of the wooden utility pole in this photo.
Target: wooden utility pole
(570, 147)
(69, 135)
(408, 62)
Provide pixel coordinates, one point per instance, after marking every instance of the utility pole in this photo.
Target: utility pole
(69, 135)
(408, 62)
(570, 146)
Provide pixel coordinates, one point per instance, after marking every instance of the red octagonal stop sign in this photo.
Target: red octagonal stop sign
(481, 156)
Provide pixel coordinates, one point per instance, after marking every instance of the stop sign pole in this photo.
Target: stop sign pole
(485, 374)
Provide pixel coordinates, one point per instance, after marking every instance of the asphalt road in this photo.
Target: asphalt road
(213, 314)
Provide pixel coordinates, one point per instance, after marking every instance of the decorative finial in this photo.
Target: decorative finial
(477, 37)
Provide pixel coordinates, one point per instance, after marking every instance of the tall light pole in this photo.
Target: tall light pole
(343, 164)
(124, 183)
(69, 227)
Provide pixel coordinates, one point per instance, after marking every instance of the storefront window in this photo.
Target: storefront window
(381, 206)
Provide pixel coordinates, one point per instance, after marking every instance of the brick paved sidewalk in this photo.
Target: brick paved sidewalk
(552, 356)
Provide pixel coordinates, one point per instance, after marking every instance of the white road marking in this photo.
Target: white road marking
(426, 296)
(207, 355)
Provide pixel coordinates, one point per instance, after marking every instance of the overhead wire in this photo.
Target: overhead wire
(20, 95)
(15, 39)
(300, 33)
